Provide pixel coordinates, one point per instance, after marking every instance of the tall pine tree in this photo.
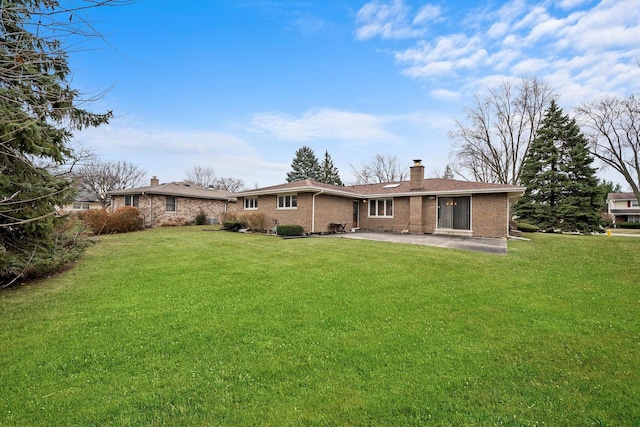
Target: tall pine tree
(562, 190)
(39, 112)
(580, 210)
(328, 172)
(305, 165)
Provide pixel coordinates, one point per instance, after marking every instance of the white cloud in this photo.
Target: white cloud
(570, 4)
(530, 67)
(322, 124)
(427, 14)
(579, 48)
(445, 94)
(170, 154)
(449, 54)
(392, 20)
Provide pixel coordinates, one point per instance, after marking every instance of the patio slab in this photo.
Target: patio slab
(478, 244)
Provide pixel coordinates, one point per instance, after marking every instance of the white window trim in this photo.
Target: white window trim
(81, 206)
(286, 208)
(385, 208)
(250, 208)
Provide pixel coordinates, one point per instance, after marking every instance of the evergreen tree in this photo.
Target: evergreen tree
(448, 173)
(562, 191)
(38, 114)
(328, 172)
(580, 208)
(305, 165)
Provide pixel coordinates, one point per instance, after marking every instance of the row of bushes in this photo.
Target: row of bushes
(256, 221)
(628, 225)
(122, 220)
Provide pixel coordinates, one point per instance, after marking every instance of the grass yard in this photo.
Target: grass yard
(176, 326)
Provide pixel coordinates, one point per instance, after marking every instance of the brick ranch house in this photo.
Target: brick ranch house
(432, 206)
(174, 203)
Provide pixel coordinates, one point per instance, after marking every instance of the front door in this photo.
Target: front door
(356, 213)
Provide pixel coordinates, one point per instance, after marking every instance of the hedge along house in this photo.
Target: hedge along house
(174, 203)
(420, 205)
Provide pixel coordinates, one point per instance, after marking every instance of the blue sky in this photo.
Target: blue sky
(240, 85)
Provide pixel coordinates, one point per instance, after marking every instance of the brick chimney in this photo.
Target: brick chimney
(155, 180)
(417, 175)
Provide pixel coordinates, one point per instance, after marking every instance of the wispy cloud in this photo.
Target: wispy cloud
(174, 153)
(393, 20)
(580, 49)
(323, 124)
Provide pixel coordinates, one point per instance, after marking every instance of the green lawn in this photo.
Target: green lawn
(177, 326)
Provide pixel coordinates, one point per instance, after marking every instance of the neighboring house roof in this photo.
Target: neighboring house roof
(621, 196)
(87, 196)
(627, 211)
(178, 189)
(431, 186)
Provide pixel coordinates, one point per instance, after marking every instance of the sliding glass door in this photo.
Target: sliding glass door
(454, 212)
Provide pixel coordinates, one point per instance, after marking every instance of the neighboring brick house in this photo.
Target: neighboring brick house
(174, 203)
(623, 207)
(420, 205)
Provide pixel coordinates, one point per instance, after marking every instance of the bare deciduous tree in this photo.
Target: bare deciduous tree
(229, 184)
(493, 144)
(382, 168)
(100, 177)
(614, 131)
(203, 176)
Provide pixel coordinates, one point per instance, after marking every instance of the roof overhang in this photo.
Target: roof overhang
(511, 193)
(301, 189)
(628, 211)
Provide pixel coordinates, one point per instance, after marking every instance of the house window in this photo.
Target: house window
(170, 205)
(131, 201)
(633, 218)
(381, 208)
(81, 206)
(288, 202)
(251, 203)
(454, 212)
(634, 204)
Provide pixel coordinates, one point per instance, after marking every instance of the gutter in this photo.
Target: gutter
(313, 211)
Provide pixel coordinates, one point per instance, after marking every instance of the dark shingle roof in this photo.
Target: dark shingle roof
(179, 189)
(401, 188)
(621, 196)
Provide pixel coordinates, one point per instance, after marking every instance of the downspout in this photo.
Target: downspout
(313, 211)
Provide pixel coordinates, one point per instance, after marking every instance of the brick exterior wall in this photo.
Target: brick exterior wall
(418, 213)
(329, 209)
(489, 215)
(429, 215)
(398, 223)
(153, 209)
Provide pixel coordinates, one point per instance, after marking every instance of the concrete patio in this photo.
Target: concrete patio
(477, 244)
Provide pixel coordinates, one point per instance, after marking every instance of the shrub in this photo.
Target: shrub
(125, 219)
(290, 230)
(97, 220)
(255, 221)
(227, 216)
(527, 228)
(232, 225)
(201, 218)
(628, 225)
(43, 258)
